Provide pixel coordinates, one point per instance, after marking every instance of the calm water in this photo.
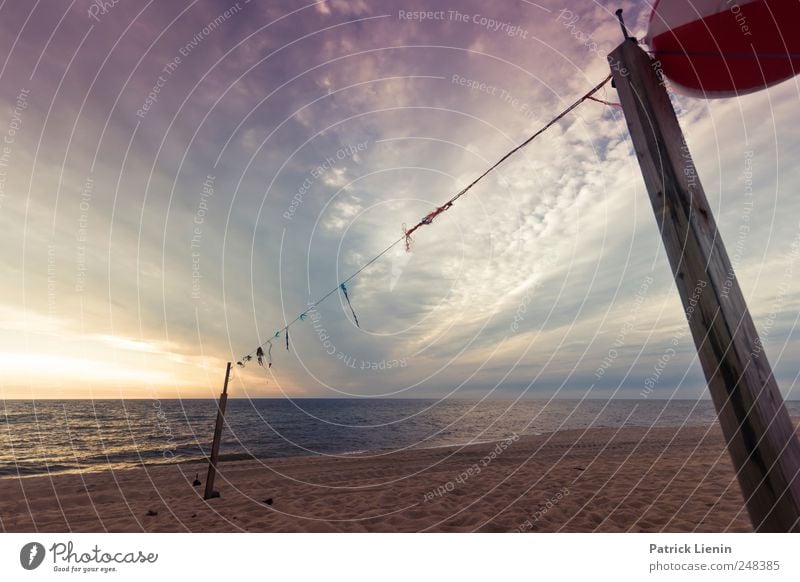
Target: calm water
(95, 435)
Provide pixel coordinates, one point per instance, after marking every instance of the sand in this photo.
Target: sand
(610, 480)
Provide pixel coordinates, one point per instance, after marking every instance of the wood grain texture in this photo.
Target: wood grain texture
(759, 434)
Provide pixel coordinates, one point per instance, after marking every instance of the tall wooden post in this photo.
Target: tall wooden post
(212, 462)
(759, 432)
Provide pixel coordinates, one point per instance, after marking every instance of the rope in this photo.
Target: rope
(446, 206)
(604, 102)
(426, 220)
(302, 316)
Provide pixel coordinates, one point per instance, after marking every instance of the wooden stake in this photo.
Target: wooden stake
(759, 432)
(212, 463)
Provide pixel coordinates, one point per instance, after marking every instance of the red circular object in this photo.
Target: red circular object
(722, 48)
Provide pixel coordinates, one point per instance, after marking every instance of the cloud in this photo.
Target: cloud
(353, 121)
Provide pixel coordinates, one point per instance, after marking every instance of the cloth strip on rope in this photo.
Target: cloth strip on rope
(346, 296)
(260, 354)
(604, 102)
(428, 219)
(287, 339)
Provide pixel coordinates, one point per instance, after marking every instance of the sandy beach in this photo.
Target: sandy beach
(630, 479)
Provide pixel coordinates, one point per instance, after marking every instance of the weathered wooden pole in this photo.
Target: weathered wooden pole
(759, 433)
(212, 462)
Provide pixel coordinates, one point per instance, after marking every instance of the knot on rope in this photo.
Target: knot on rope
(428, 219)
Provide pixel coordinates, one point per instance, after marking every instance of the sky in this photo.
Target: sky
(181, 179)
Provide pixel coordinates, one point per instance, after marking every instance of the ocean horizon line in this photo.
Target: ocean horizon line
(427, 398)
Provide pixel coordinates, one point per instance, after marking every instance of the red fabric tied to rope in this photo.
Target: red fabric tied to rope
(425, 221)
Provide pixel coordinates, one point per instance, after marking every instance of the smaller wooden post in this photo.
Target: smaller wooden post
(212, 463)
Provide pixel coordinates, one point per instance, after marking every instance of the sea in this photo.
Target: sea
(76, 436)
